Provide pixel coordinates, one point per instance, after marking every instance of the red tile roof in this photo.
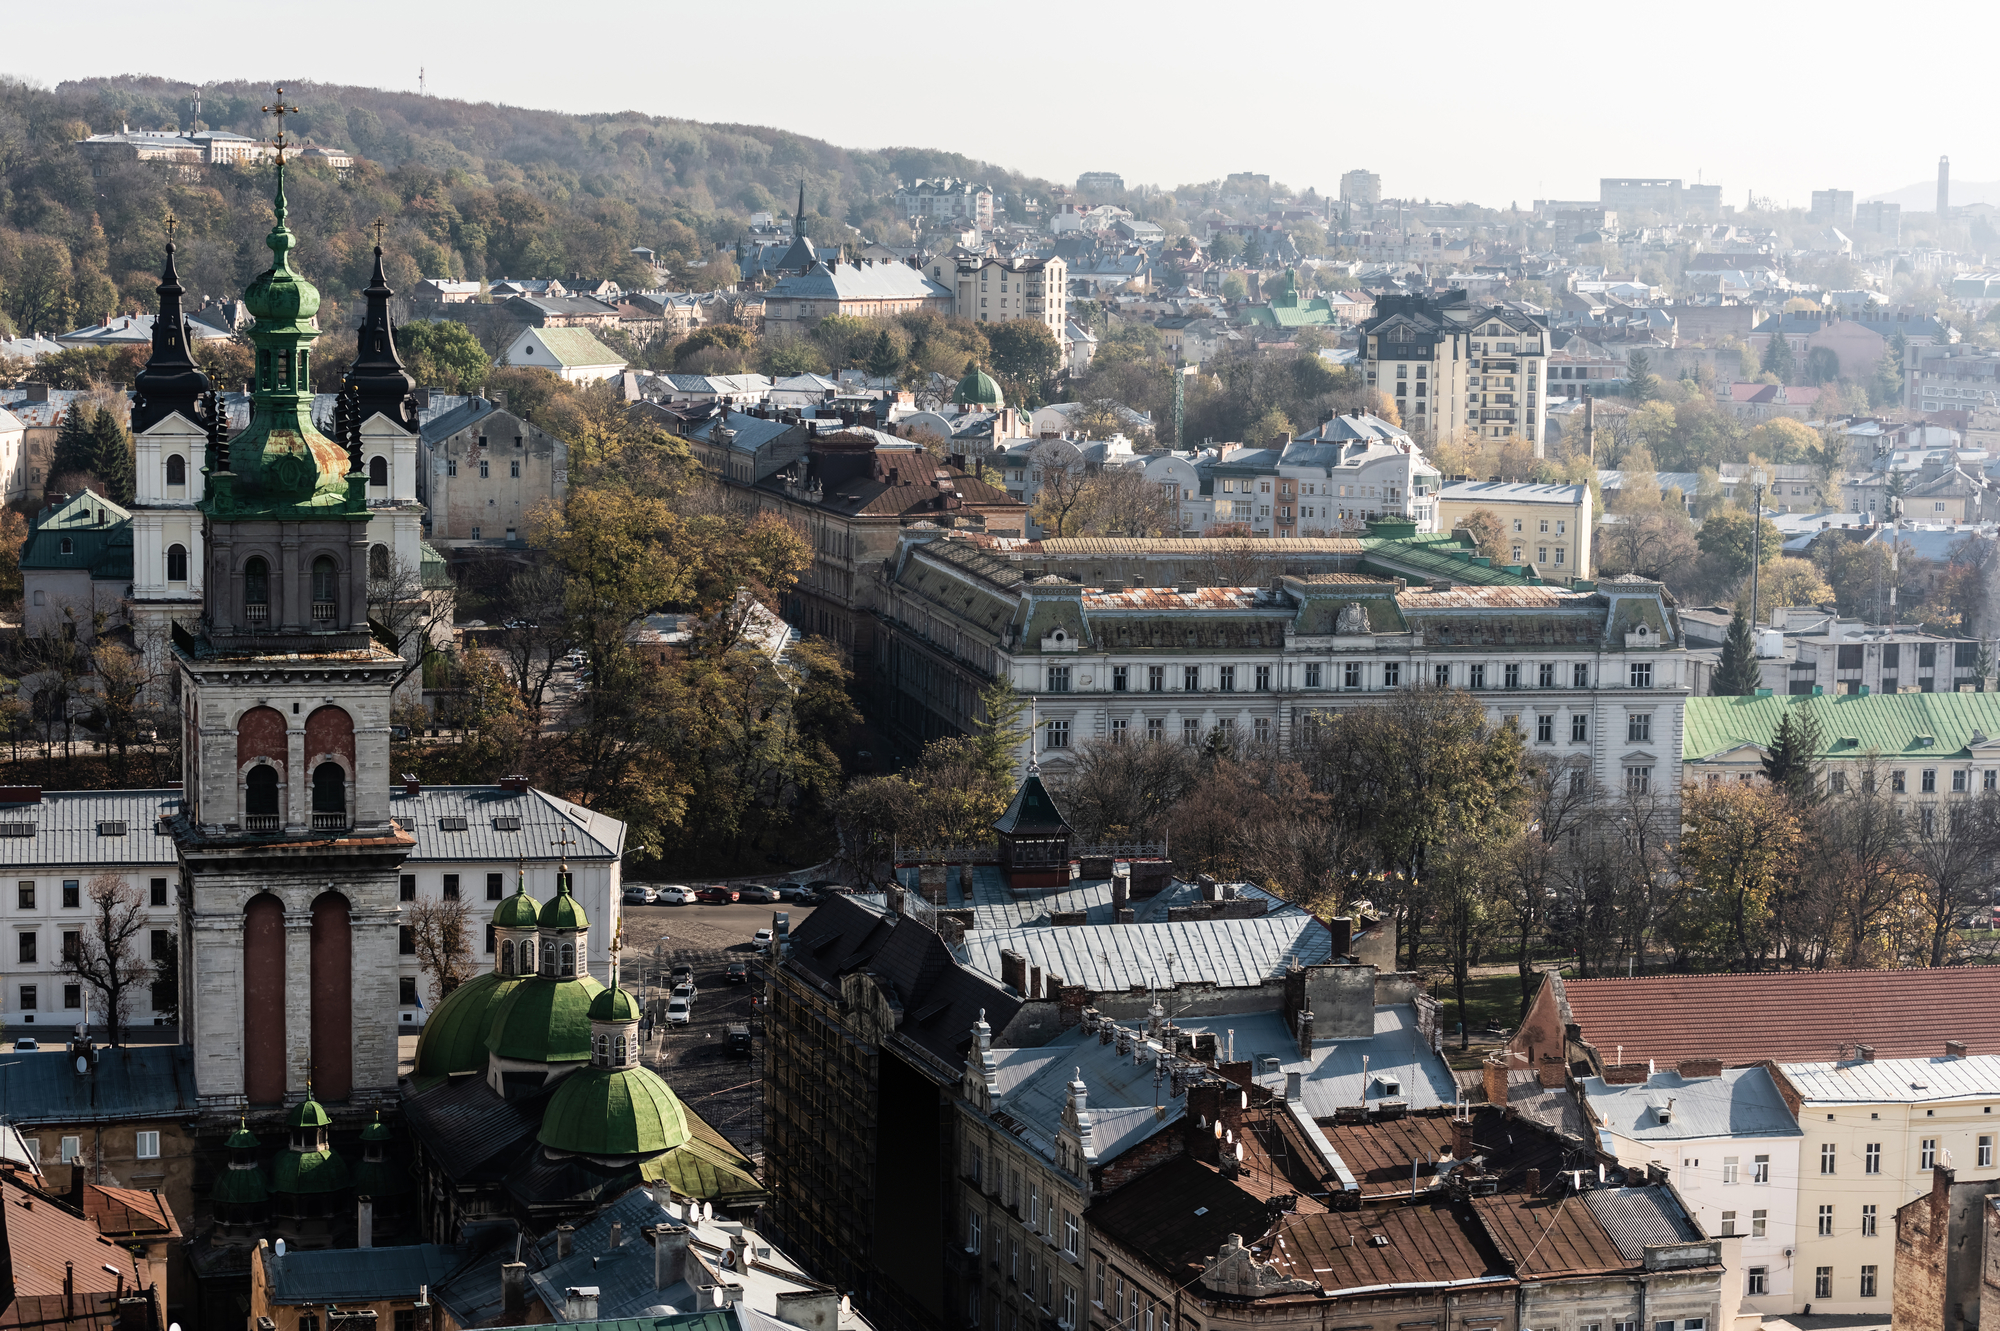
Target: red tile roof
(1788, 1016)
(47, 1241)
(129, 1212)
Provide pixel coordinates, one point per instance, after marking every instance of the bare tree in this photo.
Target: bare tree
(534, 640)
(1122, 501)
(438, 931)
(107, 956)
(407, 615)
(1061, 487)
(1125, 792)
(1951, 848)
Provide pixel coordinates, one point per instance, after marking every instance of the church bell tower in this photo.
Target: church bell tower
(289, 857)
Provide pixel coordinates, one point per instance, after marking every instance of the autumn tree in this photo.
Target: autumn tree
(107, 954)
(438, 930)
(444, 353)
(1488, 534)
(1951, 849)
(1123, 501)
(1738, 842)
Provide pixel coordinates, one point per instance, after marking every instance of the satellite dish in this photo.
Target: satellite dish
(82, 1064)
(281, 1247)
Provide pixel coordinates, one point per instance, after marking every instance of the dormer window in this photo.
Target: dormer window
(68, 546)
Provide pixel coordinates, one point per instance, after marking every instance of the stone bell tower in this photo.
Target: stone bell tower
(288, 855)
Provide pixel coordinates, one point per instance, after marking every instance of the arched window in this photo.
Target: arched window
(507, 958)
(527, 958)
(548, 957)
(378, 561)
(600, 1046)
(68, 546)
(260, 792)
(378, 470)
(177, 563)
(329, 796)
(619, 1061)
(568, 959)
(323, 580)
(177, 469)
(257, 590)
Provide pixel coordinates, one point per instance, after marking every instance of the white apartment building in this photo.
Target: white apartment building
(992, 290)
(1453, 368)
(1872, 1133)
(1730, 1147)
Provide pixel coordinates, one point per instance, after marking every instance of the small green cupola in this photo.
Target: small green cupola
(614, 1107)
(240, 1199)
(564, 932)
(614, 1030)
(515, 921)
(978, 389)
(309, 1180)
(381, 1185)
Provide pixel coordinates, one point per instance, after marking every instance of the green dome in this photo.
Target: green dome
(308, 1114)
(563, 911)
(544, 1021)
(308, 1172)
(614, 1005)
(381, 1178)
(242, 1187)
(242, 1139)
(519, 911)
(631, 1111)
(378, 1131)
(453, 1041)
(977, 389)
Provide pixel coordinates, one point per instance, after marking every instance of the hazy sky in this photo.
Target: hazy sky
(1452, 100)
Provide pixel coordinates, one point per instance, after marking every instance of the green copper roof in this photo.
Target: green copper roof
(282, 464)
(1916, 726)
(598, 1111)
(240, 1186)
(308, 1114)
(1033, 812)
(614, 1005)
(308, 1172)
(378, 1131)
(381, 1178)
(242, 1139)
(563, 911)
(705, 1171)
(544, 1021)
(519, 911)
(977, 389)
(453, 1041)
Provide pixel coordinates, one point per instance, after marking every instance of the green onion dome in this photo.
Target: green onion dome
(978, 389)
(629, 1111)
(453, 1041)
(308, 1113)
(519, 911)
(383, 1177)
(544, 1021)
(614, 1005)
(563, 911)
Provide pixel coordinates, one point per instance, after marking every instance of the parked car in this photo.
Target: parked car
(679, 1012)
(738, 972)
(824, 885)
(763, 940)
(640, 895)
(686, 991)
(26, 1042)
(716, 896)
(682, 973)
(758, 892)
(807, 898)
(790, 891)
(395, 733)
(673, 894)
(739, 1040)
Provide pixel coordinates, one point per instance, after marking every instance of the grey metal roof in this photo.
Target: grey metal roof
(1635, 1217)
(1897, 1080)
(995, 906)
(1230, 953)
(1742, 1102)
(466, 413)
(142, 1081)
(66, 829)
(354, 1275)
(544, 820)
(848, 281)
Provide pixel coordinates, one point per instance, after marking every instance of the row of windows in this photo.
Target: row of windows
(485, 472)
(163, 993)
(496, 887)
(145, 1146)
(26, 893)
(1352, 675)
(27, 947)
(1871, 1155)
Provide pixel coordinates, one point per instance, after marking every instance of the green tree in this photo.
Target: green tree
(111, 457)
(1822, 366)
(73, 452)
(38, 294)
(1640, 385)
(1736, 675)
(1885, 386)
(1000, 729)
(886, 359)
(443, 353)
(731, 337)
(1778, 357)
(1792, 760)
(1024, 351)
(1726, 536)
(784, 357)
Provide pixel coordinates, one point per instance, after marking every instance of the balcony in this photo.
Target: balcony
(261, 822)
(322, 612)
(329, 822)
(257, 614)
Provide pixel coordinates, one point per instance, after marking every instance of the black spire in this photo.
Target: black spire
(799, 256)
(170, 382)
(377, 377)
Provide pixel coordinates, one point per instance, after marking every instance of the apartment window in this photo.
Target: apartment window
(1871, 1158)
(1730, 1166)
(147, 1146)
(1959, 780)
(72, 894)
(406, 941)
(72, 997)
(408, 888)
(1641, 674)
(972, 1231)
(72, 944)
(1826, 1222)
(1120, 677)
(1638, 780)
(1261, 729)
(1190, 678)
(1927, 1153)
(1156, 679)
(1823, 1282)
(1156, 728)
(1190, 731)
(1639, 727)
(1930, 781)
(1058, 679)
(484, 469)
(1392, 677)
(1990, 779)
(1069, 1306)
(1263, 679)
(1512, 675)
(451, 887)
(1313, 675)
(1475, 676)
(1728, 1224)
(514, 468)
(1896, 783)
(1058, 734)
(157, 892)
(1760, 1169)
(1579, 728)
(26, 946)
(1443, 676)
(1225, 678)
(1868, 1282)
(1758, 1219)
(26, 898)
(28, 998)
(1545, 675)
(494, 888)
(1986, 1152)
(1756, 1279)
(1545, 728)
(72, 1147)
(1350, 675)
(1827, 1153)
(1069, 1233)
(1868, 1221)
(1579, 675)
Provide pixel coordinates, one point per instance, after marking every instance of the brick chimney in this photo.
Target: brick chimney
(1342, 929)
(1954, 1049)
(812, 1309)
(514, 1288)
(565, 1241)
(1306, 1034)
(1534, 1182)
(1493, 1075)
(411, 785)
(670, 1249)
(1699, 1067)
(1461, 1138)
(1864, 1053)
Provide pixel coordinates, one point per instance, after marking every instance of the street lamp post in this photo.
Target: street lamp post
(1756, 479)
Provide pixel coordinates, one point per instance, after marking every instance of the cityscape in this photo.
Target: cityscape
(647, 722)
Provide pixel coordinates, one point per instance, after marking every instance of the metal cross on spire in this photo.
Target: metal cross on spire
(280, 110)
(564, 840)
(173, 224)
(378, 226)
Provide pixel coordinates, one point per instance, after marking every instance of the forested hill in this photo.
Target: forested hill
(469, 189)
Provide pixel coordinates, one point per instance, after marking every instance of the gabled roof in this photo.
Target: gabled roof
(574, 346)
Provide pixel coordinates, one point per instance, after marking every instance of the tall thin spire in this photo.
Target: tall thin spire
(377, 378)
(170, 382)
(799, 218)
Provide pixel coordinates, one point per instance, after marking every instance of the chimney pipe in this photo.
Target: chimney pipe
(1954, 1049)
(580, 1304)
(1292, 1080)
(565, 1241)
(514, 1288)
(1864, 1053)
(1534, 1182)
(617, 1234)
(670, 1248)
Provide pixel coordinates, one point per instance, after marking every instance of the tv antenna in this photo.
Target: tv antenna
(421, 90)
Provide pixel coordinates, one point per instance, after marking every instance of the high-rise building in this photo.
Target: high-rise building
(1360, 190)
(1835, 207)
(1882, 219)
(1944, 188)
(1455, 370)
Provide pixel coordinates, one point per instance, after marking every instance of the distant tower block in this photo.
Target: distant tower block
(1944, 188)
